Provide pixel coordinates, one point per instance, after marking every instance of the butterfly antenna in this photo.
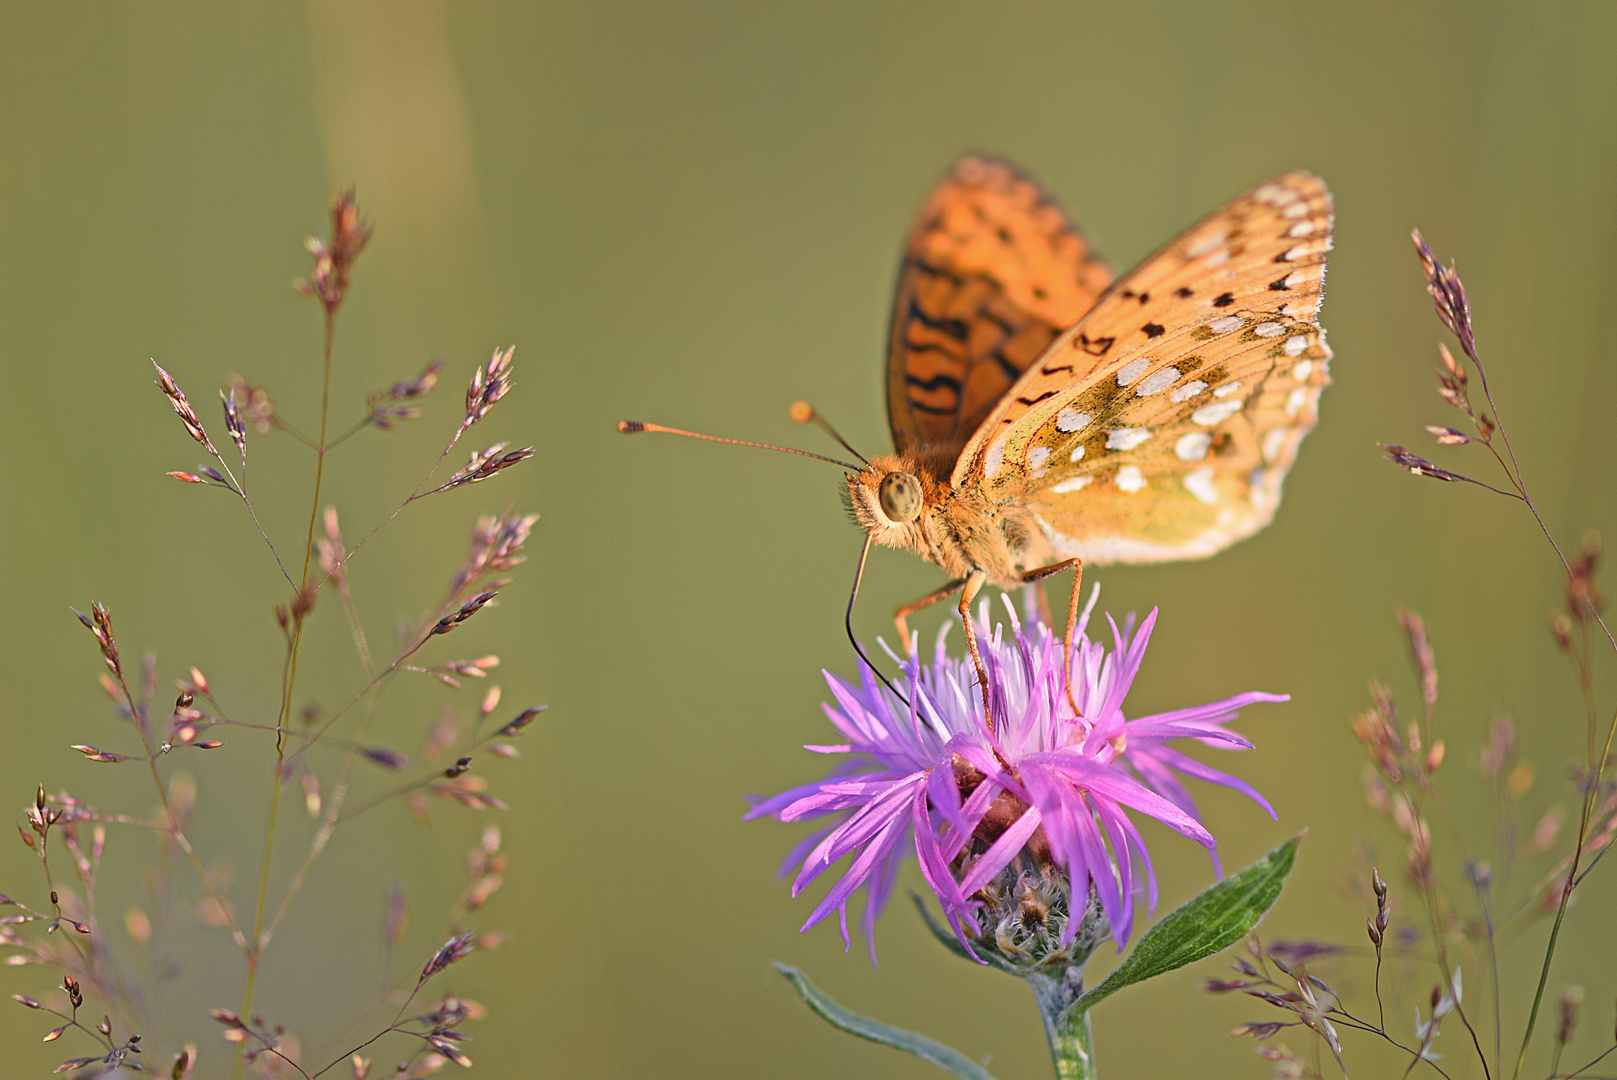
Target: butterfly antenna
(803, 413)
(847, 622)
(635, 427)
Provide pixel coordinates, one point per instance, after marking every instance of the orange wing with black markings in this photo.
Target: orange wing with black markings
(1161, 424)
(993, 272)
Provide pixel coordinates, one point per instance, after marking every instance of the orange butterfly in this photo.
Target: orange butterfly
(1045, 416)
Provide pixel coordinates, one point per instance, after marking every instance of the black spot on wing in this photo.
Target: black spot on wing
(1223, 299)
(1030, 402)
(1183, 293)
(1094, 346)
(1281, 284)
(1153, 330)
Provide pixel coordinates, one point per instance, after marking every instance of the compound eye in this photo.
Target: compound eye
(900, 497)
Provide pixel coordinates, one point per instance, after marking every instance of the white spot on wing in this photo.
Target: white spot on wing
(995, 458)
(1132, 370)
(1199, 482)
(1072, 483)
(1227, 389)
(1217, 412)
(1268, 329)
(1226, 324)
(1296, 400)
(1126, 438)
(1070, 419)
(1037, 456)
(1302, 228)
(1129, 478)
(1206, 245)
(1258, 494)
(1293, 254)
(1274, 443)
(1193, 447)
(1303, 370)
(1295, 210)
(1296, 344)
(1158, 381)
(1078, 452)
(1187, 391)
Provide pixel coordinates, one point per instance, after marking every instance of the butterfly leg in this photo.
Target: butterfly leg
(903, 613)
(968, 593)
(1040, 574)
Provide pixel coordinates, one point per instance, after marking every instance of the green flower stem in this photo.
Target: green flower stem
(1072, 1043)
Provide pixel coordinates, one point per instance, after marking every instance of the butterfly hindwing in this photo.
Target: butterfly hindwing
(1160, 425)
(993, 271)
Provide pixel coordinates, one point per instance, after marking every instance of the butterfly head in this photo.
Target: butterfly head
(892, 499)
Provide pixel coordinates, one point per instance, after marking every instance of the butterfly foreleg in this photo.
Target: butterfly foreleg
(902, 614)
(1072, 616)
(968, 593)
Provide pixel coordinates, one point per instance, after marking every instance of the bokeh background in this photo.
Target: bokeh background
(691, 213)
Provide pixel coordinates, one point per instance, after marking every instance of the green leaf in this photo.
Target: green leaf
(943, 1057)
(1213, 920)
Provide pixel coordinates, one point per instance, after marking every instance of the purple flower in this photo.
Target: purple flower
(1045, 789)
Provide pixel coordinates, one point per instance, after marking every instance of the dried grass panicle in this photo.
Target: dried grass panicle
(488, 386)
(1583, 597)
(484, 464)
(1448, 295)
(496, 548)
(234, 424)
(1536, 858)
(192, 885)
(334, 256)
(464, 612)
(333, 556)
(456, 948)
(254, 404)
(387, 406)
(418, 385)
(182, 406)
(1420, 651)
(1417, 464)
(99, 623)
(1309, 1000)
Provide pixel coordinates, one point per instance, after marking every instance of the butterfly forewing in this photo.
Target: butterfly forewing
(1161, 424)
(993, 271)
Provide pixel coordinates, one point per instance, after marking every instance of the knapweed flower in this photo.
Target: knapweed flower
(1042, 794)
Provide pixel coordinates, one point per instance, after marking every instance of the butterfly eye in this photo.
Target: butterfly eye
(900, 496)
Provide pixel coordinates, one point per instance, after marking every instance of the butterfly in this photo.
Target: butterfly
(1046, 416)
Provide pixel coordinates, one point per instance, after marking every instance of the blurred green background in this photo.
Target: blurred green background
(691, 213)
